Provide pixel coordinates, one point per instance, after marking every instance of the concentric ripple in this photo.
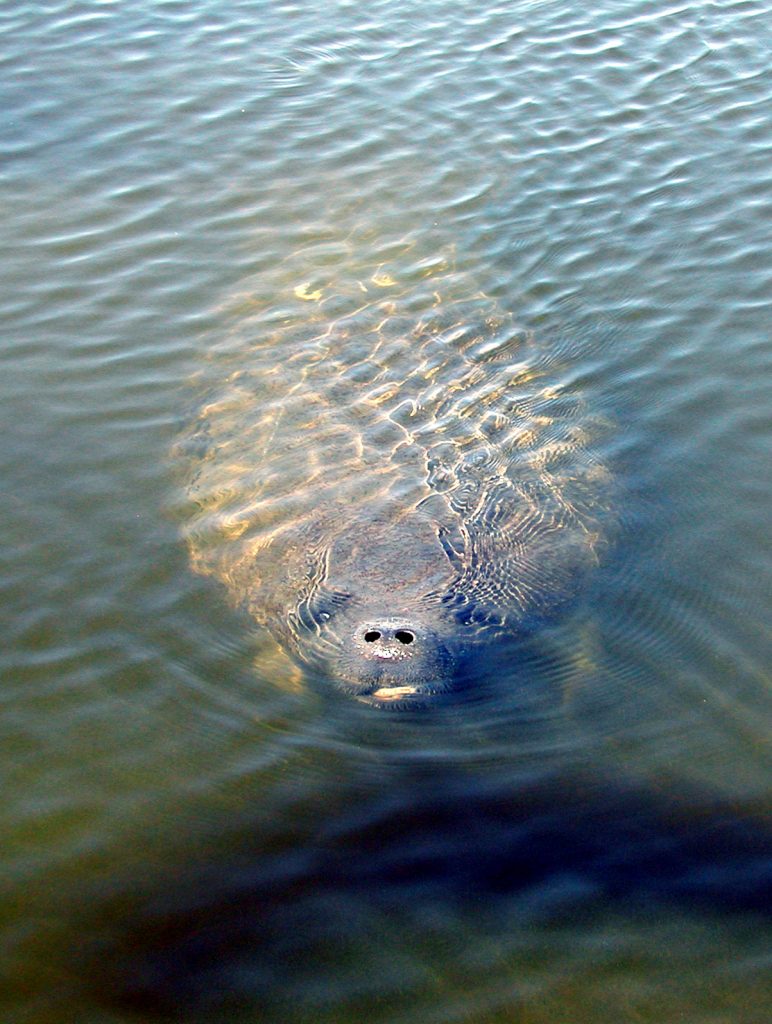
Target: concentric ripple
(201, 199)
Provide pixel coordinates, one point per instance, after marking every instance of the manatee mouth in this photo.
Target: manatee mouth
(399, 695)
(394, 692)
(402, 696)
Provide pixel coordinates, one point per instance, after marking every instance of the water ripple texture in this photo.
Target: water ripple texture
(192, 191)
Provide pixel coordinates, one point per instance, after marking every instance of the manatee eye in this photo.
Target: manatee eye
(320, 607)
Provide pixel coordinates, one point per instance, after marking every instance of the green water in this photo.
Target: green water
(604, 174)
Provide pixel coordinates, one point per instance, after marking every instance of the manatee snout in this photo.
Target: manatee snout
(395, 661)
(384, 659)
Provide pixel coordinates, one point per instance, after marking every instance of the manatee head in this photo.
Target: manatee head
(384, 659)
(376, 619)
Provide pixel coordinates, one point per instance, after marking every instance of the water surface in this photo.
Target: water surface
(603, 176)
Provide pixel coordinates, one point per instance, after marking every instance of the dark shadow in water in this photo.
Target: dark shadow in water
(290, 904)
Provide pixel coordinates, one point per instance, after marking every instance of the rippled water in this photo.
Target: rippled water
(192, 826)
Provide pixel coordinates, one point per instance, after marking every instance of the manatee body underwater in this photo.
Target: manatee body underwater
(390, 474)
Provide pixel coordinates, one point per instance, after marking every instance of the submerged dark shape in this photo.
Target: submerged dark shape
(389, 473)
(277, 918)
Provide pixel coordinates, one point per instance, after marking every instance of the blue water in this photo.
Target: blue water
(190, 828)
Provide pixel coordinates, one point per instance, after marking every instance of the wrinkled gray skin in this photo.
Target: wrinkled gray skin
(394, 615)
(379, 622)
(389, 488)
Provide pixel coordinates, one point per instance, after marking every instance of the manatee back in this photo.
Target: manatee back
(375, 390)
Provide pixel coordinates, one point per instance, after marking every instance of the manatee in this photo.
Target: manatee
(388, 472)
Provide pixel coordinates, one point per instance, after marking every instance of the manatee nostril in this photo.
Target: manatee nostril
(404, 636)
